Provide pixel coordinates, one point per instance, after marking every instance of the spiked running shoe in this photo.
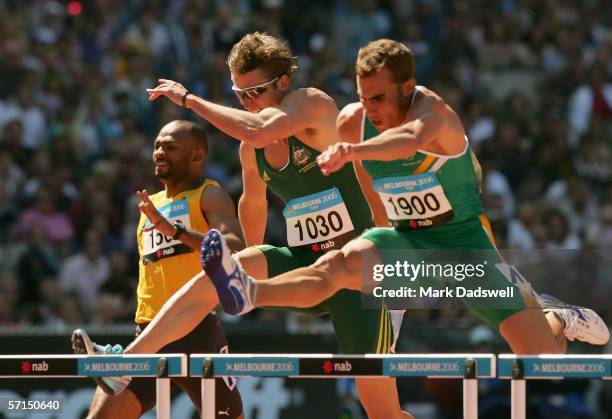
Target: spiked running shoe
(580, 323)
(235, 288)
(82, 344)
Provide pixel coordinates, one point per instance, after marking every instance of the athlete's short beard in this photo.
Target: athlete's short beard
(166, 175)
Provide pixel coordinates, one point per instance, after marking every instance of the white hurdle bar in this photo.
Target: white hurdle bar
(161, 366)
(469, 367)
(548, 367)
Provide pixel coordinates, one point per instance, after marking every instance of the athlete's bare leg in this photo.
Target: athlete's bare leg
(309, 286)
(189, 305)
(124, 405)
(380, 407)
(529, 332)
(178, 316)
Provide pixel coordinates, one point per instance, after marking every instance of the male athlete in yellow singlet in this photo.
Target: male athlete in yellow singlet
(170, 230)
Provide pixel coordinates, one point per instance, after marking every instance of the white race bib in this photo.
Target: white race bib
(417, 199)
(156, 245)
(318, 220)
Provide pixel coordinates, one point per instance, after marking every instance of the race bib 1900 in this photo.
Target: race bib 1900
(155, 245)
(320, 221)
(417, 201)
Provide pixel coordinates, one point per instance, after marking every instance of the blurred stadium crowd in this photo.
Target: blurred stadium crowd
(530, 79)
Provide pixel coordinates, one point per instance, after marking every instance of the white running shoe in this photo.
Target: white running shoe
(82, 344)
(580, 323)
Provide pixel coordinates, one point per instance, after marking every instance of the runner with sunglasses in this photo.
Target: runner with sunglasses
(253, 91)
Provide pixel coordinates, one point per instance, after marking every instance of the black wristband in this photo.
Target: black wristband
(187, 93)
(180, 229)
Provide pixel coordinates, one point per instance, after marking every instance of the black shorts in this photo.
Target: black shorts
(206, 337)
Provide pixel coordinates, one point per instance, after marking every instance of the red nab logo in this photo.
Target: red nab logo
(328, 367)
(159, 254)
(315, 247)
(421, 223)
(26, 368)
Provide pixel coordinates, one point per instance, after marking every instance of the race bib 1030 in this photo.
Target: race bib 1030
(320, 221)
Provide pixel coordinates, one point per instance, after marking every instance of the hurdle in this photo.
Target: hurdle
(469, 367)
(161, 366)
(548, 367)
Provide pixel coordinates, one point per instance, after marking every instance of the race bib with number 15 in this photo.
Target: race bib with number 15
(155, 245)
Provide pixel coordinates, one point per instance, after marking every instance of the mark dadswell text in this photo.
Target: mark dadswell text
(446, 292)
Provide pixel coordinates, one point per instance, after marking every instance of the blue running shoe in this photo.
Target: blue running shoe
(235, 289)
(82, 344)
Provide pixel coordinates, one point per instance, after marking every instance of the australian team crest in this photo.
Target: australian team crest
(300, 156)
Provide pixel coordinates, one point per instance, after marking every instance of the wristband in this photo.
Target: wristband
(187, 93)
(180, 229)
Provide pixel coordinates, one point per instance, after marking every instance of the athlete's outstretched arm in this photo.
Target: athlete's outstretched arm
(299, 110)
(348, 125)
(429, 118)
(404, 141)
(253, 204)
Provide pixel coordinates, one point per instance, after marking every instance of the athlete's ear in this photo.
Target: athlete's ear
(408, 86)
(283, 82)
(198, 155)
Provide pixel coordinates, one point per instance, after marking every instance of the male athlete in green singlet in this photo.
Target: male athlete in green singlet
(406, 135)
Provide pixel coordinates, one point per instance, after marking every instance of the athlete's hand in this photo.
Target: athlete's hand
(148, 209)
(334, 158)
(171, 89)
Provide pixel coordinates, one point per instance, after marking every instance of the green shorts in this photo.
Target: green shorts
(359, 330)
(471, 235)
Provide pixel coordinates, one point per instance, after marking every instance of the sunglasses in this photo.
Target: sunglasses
(253, 91)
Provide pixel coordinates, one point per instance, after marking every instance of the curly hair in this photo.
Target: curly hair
(263, 51)
(386, 53)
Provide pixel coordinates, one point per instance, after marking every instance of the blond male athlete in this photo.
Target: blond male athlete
(169, 234)
(282, 132)
(407, 135)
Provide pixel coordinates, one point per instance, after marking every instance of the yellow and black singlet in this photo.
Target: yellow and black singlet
(165, 265)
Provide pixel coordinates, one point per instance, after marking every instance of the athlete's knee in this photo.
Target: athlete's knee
(332, 268)
(253, 261)
(331, 264)
(330, 261)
